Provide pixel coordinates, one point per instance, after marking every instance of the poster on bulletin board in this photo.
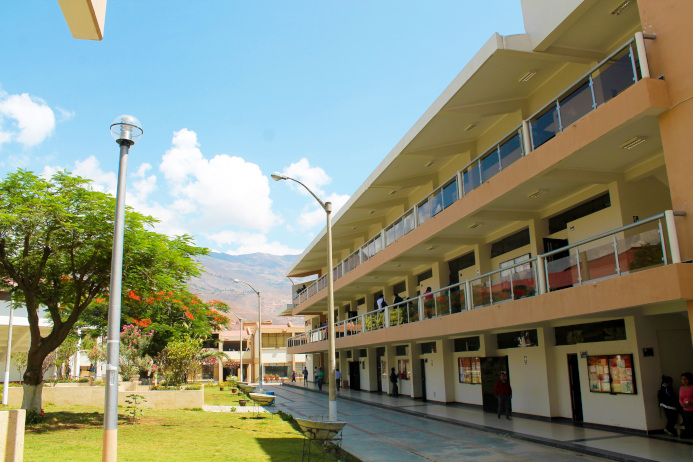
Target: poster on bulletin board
(611, 374)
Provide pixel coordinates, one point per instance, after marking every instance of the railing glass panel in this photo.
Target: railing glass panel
(471, 178)
(490, 165)
(561, 270)
(450, 194)
(545, 126)
(511, 151)
(613, 77)
(576, 104)
(374, 320)
(640, 251)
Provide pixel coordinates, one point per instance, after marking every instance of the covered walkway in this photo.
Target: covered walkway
(404, 429)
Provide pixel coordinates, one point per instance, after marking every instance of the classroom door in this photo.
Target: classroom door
(491, 369)
(575, 392)
(354, 375)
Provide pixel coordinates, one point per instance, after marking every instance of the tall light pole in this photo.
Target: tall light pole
(126, 130)
(259, 329)
(8, 357)
(327, 206)
(240, 345)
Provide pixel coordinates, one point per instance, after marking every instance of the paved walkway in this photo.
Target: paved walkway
(383, 428)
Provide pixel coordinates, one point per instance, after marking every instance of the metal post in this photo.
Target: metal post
(541, 275)
(8, 357)
(240, 370)
(330, 318)
(618, 266)
(673, 236)
(259, 339)
(110, 420)
(642, 55)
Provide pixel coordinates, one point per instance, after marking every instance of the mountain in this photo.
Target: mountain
(266, 273)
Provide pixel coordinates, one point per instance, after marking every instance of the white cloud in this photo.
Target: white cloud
(244, 243)
(224, 190)
(25, 119)
(316, 216)
(101, 181)
(313, 177)
(63, 114)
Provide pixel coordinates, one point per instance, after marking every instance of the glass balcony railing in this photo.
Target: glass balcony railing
(636, 247)
(605, 81)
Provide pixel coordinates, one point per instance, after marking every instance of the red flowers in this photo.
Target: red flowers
(133, 295)
(189, 315)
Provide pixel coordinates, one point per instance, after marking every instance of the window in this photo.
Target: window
(510, 243)
(423, 276)
(363, 353)
(469, 370)
(401, 350)
(361, 301)
(467, 344)
(518, 339)
(348, 354)
(428, 348)
(515, 261)
(458, 264)
(399, 287)
(560, 222)
(605, 331)
(403, 368)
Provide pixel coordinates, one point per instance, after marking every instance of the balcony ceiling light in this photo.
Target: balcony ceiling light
(372, 212)
(430, 163)
(475, 225)
(527, 76)
(633, 142)
(433, 247)
(622, 7)
(393, 192)
(537, 193)
(471, 126)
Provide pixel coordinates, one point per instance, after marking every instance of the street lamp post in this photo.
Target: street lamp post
(327, 206)
(126, 130)
(259, 329)
(8, 357)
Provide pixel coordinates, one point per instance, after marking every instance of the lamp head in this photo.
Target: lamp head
(276, 176)
(237, 281)
(126, 129)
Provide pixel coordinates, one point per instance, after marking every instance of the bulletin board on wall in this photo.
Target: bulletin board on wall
(611, 374)
(469, 370)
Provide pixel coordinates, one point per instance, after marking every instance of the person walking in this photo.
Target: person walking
(321, 376)
(293, 376)
(338, 378)
(305, 376)
(393, 379)
(504, 393)
(686, 401)
(670, 404)
(315, 377)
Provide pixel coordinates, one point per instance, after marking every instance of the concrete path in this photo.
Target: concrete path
(382, 428)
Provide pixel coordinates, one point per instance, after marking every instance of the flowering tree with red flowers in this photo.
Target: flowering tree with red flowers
(168, 314)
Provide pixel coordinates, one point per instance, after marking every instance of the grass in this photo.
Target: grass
(76, 432)
(215, 397)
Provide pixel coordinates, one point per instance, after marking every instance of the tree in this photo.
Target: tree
(55, 252)
(183, 358)
(64, 352)
(133, 344)
(170, 315)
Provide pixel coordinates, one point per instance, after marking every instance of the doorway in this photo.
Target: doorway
(354, 375)
(491, 369)
(379, 354)
(575, 392)
(423, 379)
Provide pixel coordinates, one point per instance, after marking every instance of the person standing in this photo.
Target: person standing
(293, 376)
(321, 376)
(338, 378)
(315, 377)
(504, 393)
(668, 402)
(381, 302)
(393, 379)
(305, 376)
(686, 401)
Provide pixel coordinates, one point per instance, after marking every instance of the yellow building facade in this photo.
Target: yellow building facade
(537, 220)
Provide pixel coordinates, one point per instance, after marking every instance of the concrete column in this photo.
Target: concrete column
(12, 435)
(221, 364)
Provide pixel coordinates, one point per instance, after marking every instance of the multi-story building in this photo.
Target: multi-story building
(536, 219)
(243, 345)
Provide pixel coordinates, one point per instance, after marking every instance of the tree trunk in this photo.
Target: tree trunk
(32, 397)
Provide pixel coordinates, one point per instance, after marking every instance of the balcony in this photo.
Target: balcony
(643, 245)
(608, 79)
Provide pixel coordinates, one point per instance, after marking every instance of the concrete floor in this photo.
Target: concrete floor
(382, 428)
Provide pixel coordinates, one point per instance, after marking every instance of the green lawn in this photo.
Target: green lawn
(75, 433)
(215, 397)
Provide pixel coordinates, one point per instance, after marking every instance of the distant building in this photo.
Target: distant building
(275, 359)
(534, 220)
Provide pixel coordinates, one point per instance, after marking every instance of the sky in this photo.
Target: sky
(227, 93)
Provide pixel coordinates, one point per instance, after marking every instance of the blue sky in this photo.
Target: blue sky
(228, 92)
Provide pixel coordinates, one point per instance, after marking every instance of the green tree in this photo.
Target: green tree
(55, 252)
